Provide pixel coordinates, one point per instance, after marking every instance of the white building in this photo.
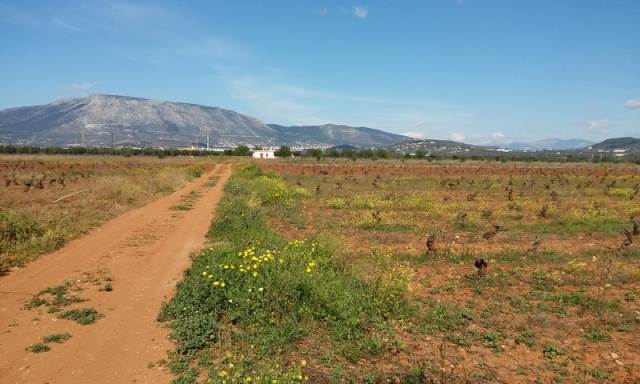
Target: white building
(264, 154)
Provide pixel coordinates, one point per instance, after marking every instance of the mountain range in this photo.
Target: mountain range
(619, 144)
(105, 120)
(549, 144)
(109, 120)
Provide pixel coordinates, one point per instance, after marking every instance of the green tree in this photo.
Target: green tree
(382, 153)
(283, 151)
(242, 150)
(315, 152)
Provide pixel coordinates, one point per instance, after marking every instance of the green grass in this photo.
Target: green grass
(527, 338)
(569, 227)
(54, 298)
(597, 336)
(264, 291)
(551, 352)
(56, 338)
(83, 316)
(187, 201)
(38, 348)
(597, 374)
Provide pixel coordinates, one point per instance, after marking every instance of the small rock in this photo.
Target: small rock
(619, 362)
(614, 355)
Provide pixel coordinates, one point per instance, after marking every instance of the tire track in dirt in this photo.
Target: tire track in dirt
(145, 252)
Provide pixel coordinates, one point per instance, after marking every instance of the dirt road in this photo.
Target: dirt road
(142, 254)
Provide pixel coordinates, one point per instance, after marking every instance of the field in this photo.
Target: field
(37, 215)
(406, 272)
(321, 271)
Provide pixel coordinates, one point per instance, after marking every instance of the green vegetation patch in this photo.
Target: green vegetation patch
(264, 291)
(83, 316)
(58, 338)
(54, 298)
(38, 348)
(187, 201)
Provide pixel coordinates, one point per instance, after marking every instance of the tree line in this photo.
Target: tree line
(285, 152)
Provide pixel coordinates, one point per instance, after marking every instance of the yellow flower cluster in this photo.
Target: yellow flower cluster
(314, 247)
(296, 243)
(252, 261)
(217, 283)
(310, 266)
(228, 375)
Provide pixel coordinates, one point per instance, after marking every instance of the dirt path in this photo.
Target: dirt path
(144, 252)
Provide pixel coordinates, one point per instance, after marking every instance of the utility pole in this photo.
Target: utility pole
(207, 138)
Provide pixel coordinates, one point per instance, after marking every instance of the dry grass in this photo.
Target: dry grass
(31, 224)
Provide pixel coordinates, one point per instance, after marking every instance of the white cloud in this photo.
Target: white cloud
(360, 12)
(415, 135)
(601, 126)
(633, 103)
(497, 136)
(457, 136)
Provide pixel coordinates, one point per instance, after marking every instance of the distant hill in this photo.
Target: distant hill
(549, 144)
(103, 120)
(335, 135)
(620, 144)
(432, 146)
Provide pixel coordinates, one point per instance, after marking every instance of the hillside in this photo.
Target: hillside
(432, 146)
(549, 144)
(335, 135)
(621, 144)
(105, 120)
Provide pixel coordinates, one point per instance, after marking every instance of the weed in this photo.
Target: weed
(597, 374)
(38, 348)
(526, 338)
(551, 352)
(54, 298)
(57, 338)
(597, 336)
(84, 316)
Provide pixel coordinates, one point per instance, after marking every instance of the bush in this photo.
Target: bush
(284, 151)
(241, 150)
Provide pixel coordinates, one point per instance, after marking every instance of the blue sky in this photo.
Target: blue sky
(472, 70)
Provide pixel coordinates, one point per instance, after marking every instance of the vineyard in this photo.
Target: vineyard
(322, 272)
(443, 273)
